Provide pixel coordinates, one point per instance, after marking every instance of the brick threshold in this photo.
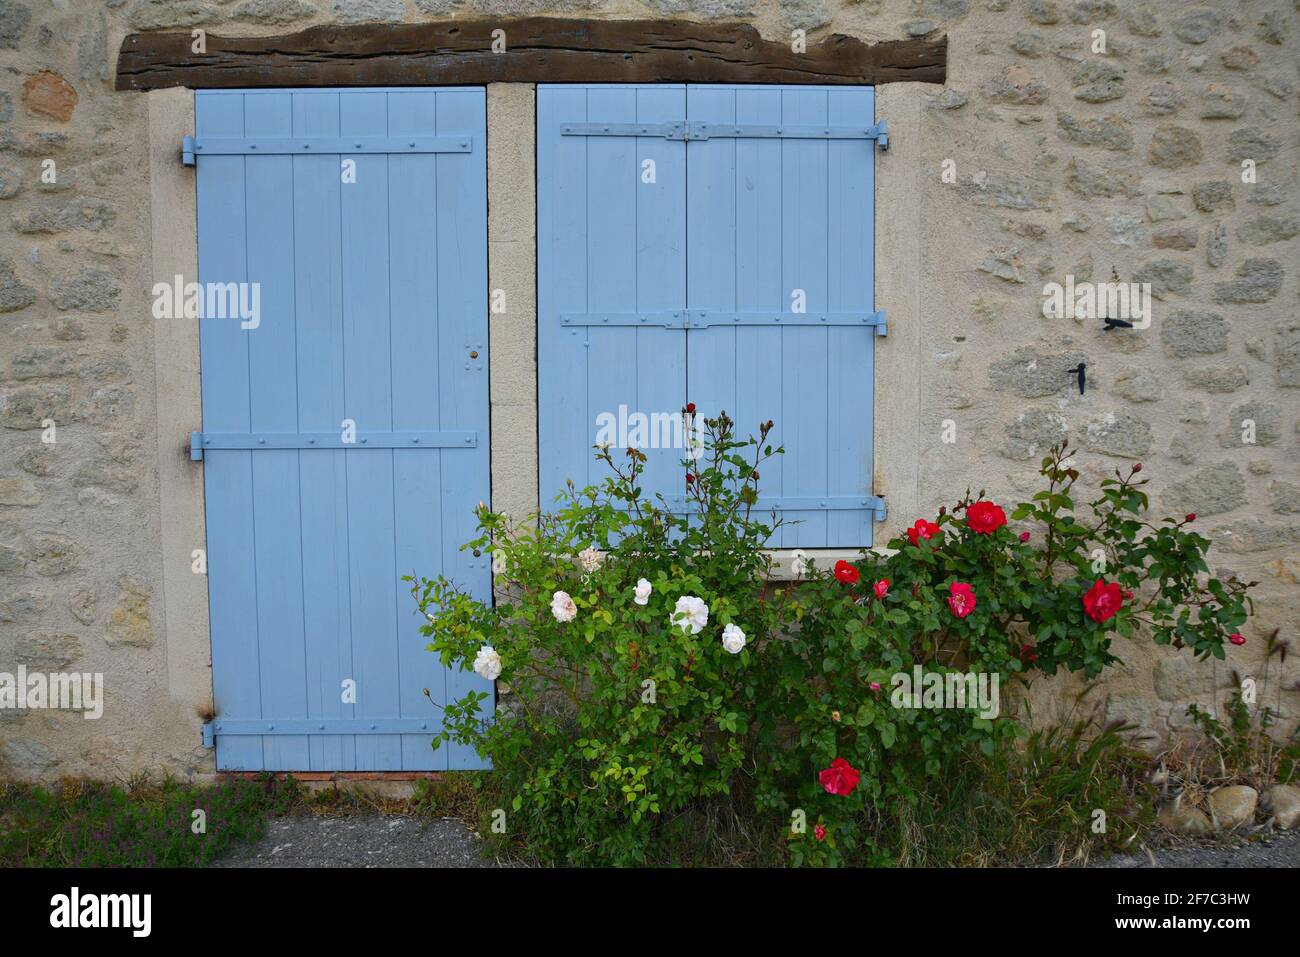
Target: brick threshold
(338, 775)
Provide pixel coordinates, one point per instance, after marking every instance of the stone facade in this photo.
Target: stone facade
(1043, 157)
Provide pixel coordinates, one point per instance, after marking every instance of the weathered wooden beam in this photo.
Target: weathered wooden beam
(538, 50)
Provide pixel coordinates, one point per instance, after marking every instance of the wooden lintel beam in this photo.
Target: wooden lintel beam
(537, 50)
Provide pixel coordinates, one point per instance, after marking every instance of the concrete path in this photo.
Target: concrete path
(363, 840)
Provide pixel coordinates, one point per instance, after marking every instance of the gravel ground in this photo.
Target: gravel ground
(375, 840)
(1265, 849)
(363, 840)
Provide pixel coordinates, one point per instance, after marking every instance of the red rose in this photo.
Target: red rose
(820, 832)
(1191, 517)
(875, 686)
(985, 518)
(840, 778)
(1024, 536)
(1138, 467)
(961, 599)
(922, 529)
(1103, 602)
(1027, 652)
(1237, 639)
(881, 588)
(846, 573)
(689, 478)
(690, 408)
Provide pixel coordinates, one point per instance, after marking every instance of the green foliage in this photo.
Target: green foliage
(93, 824)
(1238, 748)
(1029, 615)
(1035, 803)
(620, 718)
(620, 723)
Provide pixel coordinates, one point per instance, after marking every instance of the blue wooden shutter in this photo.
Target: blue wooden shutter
(373, 296)
(779, 197)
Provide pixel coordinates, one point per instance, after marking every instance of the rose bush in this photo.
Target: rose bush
(648, 668)
(635, 677)
(967, 595)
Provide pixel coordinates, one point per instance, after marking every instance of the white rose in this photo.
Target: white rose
(562, 607)
(691, 614)
(733, 639)
(590, 559)
(643, 591)
(487, 663)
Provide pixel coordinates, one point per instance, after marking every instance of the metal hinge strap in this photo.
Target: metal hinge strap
(704, 318)
(693, 130)
(204, 442)
(805, 503)
(192, 146)
(243, 727)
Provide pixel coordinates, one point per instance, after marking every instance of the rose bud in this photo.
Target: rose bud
(690, 407)
(1138, 467)
(1191, 517)
(689, 478)
(820, 831)
(1237, 639)
(1024, 536)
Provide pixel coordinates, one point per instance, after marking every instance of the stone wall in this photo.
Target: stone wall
(1070, 162)
(1041, 158)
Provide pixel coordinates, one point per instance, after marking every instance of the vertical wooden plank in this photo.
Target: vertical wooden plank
(851, 280)
(228, 481)
(564, 437)
(317, 181)
(368, 380)
(758, 279)
(660, 266)
(272, 369)
(417, 365)
(461, 195)
(804, 218)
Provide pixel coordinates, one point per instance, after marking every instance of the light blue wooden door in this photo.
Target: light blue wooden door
(739, 278)
(345, 432)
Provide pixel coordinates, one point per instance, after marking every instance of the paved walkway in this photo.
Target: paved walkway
(364, 840)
